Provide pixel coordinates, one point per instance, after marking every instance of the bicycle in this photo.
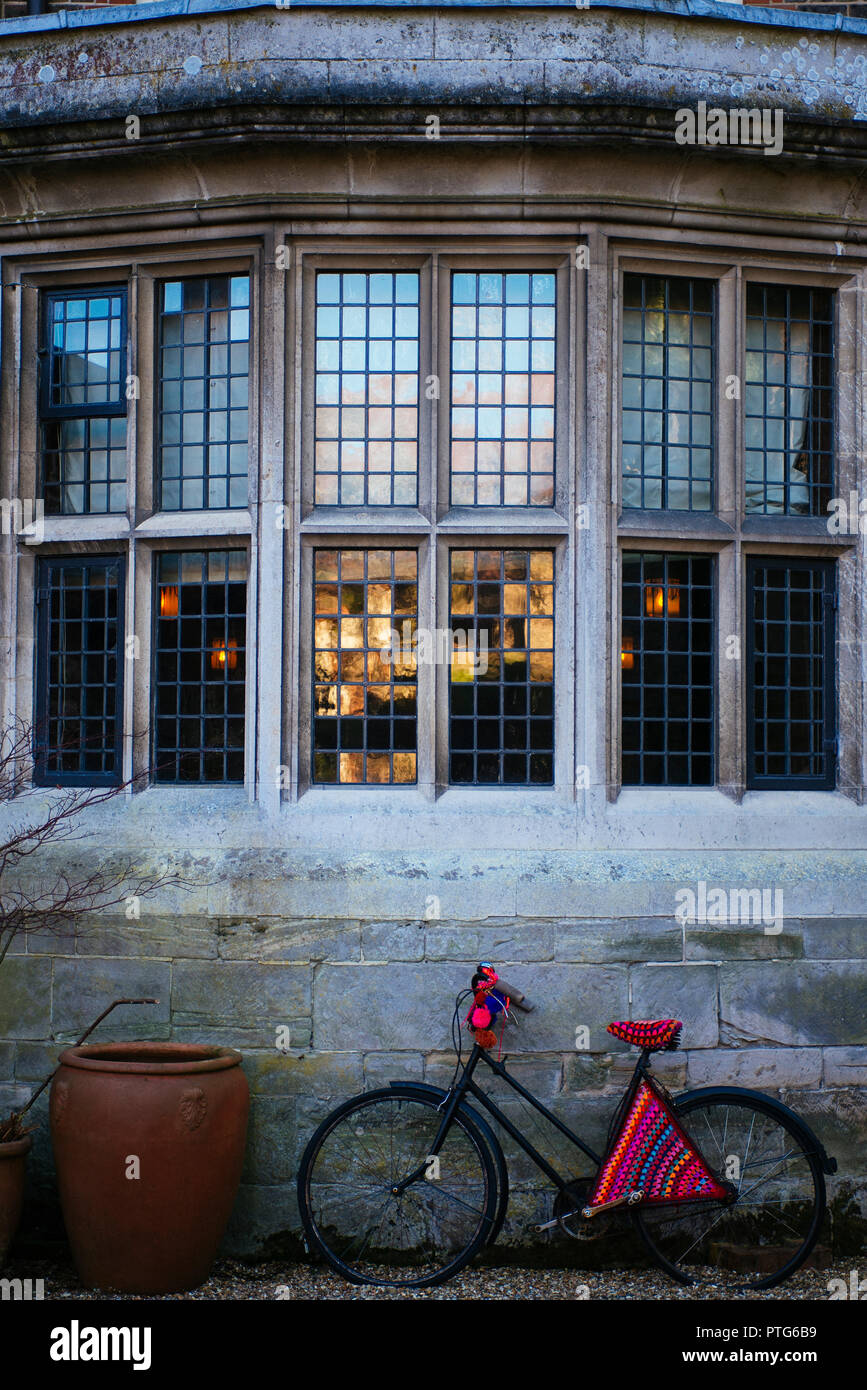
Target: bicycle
(403, 1186)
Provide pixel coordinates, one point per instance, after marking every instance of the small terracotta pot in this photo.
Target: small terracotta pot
(149, 1142)
(13, 1160)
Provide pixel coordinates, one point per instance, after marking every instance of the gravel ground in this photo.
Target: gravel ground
(233, 1280)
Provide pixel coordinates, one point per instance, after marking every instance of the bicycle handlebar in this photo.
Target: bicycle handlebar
(519, 1000)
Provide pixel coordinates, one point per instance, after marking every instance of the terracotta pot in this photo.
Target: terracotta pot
(149, 1142)
(13, 1160)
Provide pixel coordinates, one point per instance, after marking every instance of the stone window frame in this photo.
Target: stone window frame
(434, 527)
(140, 530)
(728, 532)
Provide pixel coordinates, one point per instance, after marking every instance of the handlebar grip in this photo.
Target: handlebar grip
(519, 1000)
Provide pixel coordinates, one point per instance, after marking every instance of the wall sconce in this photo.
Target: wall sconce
(655, 604)
(168, 602)
(224, 655)
(627, 653)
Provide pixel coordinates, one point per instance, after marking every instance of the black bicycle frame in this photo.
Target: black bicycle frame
(468, 1085)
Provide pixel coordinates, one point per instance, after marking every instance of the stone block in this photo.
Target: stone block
(325, 1074)
(845, 1066)
(629, 939)
(380, 1068)
(687, 992)
(388, 941)
(276, 939)
(271, 1140)
(157, 937)
(758, 1068)
(501, 944)
(241, 995)
(713, 941)
(264, 1220)
(839, 1120)
(829, 939)
(25, 997)
(377, 1008)
(794, 1003)
(83, 987)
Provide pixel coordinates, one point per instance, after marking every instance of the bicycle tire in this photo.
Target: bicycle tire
(650, 1221)
(319, 1202)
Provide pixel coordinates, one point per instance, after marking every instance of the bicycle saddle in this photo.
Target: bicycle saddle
(654, 1034)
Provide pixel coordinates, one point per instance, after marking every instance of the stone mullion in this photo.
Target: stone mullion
(730, 660)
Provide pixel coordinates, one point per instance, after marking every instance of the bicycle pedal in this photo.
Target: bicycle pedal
(630, 1199)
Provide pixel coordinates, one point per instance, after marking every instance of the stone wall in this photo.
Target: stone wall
(367, 1000)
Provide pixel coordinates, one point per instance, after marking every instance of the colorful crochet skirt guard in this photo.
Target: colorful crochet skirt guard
(652, 1154)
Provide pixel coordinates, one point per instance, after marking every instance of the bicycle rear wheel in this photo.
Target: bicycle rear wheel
(757, 1241)
(370, 1233)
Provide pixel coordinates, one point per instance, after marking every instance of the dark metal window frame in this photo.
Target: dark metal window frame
(504, 271)
(86, 411)
(363, 545)
(341, 271)
(474, 622)
(184, 277)
(41, 750)
(828, 780)
(820, 491)
(665, 557)
(688, 480)
(206, 547)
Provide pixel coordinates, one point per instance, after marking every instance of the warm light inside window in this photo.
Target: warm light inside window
(655, 604)
(224, 655)
(168, 602)
(627, 653)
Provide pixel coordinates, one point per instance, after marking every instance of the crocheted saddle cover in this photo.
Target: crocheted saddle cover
(652, 1154)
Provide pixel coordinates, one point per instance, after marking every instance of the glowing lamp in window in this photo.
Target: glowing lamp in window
(627, 653)
(656, 604)
(224, 655)
(168, 602)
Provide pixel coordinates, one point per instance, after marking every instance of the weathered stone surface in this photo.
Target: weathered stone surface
(261, 1214)
(826, 939)
(386, 941)
(613, 1070)
(500, 944)
(687, 992)
(761, 1068)
(839, 1119)
(718, 942)
(25, 997)
(83, 987)
(273, 939)
(797, 1003)
(632, 939)
(380, 1068)
(381, 1008)
(845, 1066)
(157, 937)
(34, 1060)
(326, 1074)
(239, 993)
(271, 1139)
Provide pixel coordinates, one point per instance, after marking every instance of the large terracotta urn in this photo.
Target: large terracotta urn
(149, 1142)
(13, 1158)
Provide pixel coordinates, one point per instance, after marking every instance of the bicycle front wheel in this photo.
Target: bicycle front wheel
(359, 1216)
(760, 1239)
